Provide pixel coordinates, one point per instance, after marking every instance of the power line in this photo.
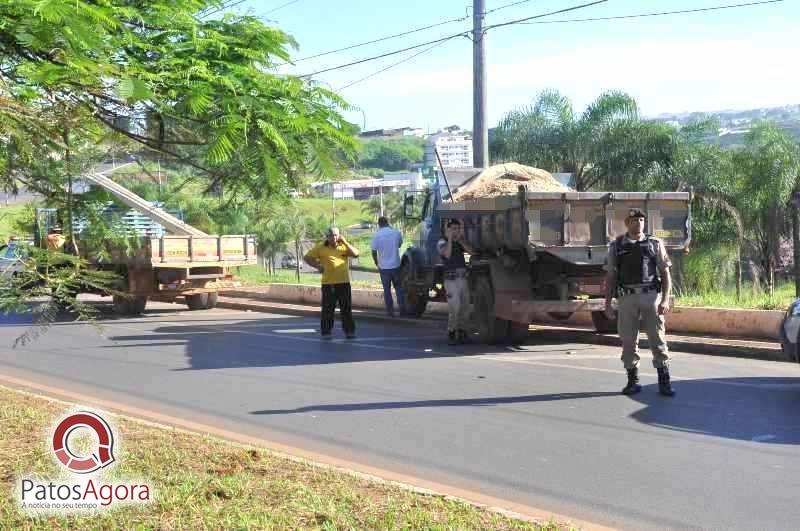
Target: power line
(410, 57)
(460, 34)
(387, 54)
(379, 39)
(523, 20)
(223, 6)
(656, 14)
(512, 4)
(281, 7)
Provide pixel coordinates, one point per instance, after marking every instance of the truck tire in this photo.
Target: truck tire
(486, 327)
(211, 303)
(121, 305)
(603, 324)
(416, 301)
(197, 301)
(129, 306)
(517, 333)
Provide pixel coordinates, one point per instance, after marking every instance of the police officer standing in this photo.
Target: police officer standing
(638, 274)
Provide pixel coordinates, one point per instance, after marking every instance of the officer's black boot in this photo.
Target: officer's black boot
(633, 386)
(452, 337)
(664, 387)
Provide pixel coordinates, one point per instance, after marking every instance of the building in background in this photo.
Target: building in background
(454, 146)
(366, 188)
(393, 133)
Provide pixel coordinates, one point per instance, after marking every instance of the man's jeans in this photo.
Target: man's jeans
(389, 277)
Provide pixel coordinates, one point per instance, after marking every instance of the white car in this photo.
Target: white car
(790, 332)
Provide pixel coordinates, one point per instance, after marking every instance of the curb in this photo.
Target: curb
(712, 346)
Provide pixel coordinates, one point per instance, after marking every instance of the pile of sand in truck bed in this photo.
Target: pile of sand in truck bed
(505, 179)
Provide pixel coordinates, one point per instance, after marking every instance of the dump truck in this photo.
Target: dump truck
(536, 253)
(181, 262)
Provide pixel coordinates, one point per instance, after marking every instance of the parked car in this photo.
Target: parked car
(288, 261)
(365, 225)
(790, 332)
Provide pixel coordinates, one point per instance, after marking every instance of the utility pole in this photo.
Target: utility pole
(480, 130)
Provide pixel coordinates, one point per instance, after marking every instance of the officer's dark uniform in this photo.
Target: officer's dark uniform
(639, 267)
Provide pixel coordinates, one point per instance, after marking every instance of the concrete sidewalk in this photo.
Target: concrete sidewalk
(695, 344)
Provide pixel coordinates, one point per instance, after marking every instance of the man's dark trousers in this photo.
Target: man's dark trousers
(391, 277)
(331, 295)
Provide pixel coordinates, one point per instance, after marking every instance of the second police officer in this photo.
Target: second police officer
(638, 275)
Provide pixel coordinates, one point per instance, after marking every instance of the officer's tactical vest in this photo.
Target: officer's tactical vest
(636, 261)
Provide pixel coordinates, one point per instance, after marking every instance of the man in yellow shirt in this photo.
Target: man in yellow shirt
(331, 259)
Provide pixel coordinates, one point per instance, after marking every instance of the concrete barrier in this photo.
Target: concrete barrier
(720, 322)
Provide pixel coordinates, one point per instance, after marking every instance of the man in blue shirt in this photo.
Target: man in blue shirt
(386, 254)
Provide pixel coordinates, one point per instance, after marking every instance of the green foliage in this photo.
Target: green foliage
(48, 284)
(708, 269)
(607, 145)
(202, 91)
(392, 207)
(391, 154)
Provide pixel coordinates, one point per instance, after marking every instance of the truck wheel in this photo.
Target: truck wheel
(488, 328)
(603, 324)
(121, 305)
(197, 301)
(517, 332)
(137, 305)
(129, 306)
(212, 300)
(415, 302)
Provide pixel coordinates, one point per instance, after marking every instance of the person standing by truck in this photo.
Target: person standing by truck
(331, 258)
(638, 274)
(386, 255)
(452, 248)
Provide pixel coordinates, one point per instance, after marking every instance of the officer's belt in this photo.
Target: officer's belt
(640, 289)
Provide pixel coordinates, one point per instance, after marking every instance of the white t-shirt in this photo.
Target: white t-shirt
(387, 242)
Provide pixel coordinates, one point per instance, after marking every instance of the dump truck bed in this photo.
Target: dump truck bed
(575, 226)
(188, 252)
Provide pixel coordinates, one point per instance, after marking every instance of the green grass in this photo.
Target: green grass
(257, 276)
(784, 295)
(202, 482)
(348, 211)
(7, 215)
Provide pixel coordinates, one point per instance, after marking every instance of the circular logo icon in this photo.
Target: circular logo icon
(103, 454)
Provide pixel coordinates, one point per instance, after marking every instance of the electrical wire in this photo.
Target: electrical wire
(460, 34)
(280, 7)
(512, 4)
(379, 39)
(410, 57)
(655, 14)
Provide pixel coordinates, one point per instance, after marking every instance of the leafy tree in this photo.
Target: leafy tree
(199, 91)
(76, 74)
(392, 207)
(391, 154)
(606, 145)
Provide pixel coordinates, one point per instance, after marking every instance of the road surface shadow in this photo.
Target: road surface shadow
(278, 342)
(758, 409)
(493, 401)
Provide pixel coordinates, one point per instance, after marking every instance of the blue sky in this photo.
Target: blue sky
(731, 59)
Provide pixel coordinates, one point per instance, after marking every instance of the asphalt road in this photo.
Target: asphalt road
(542, 424)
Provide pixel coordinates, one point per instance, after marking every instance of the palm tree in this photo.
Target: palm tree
(606, 145)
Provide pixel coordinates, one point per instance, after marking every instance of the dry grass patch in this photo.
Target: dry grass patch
(201, 482)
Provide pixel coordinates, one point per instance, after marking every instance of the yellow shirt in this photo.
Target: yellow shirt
(334, 262)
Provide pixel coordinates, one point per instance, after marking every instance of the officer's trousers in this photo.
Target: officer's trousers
(457, 303)
(630, 310)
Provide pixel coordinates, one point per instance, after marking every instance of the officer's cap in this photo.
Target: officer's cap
(636, 213)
